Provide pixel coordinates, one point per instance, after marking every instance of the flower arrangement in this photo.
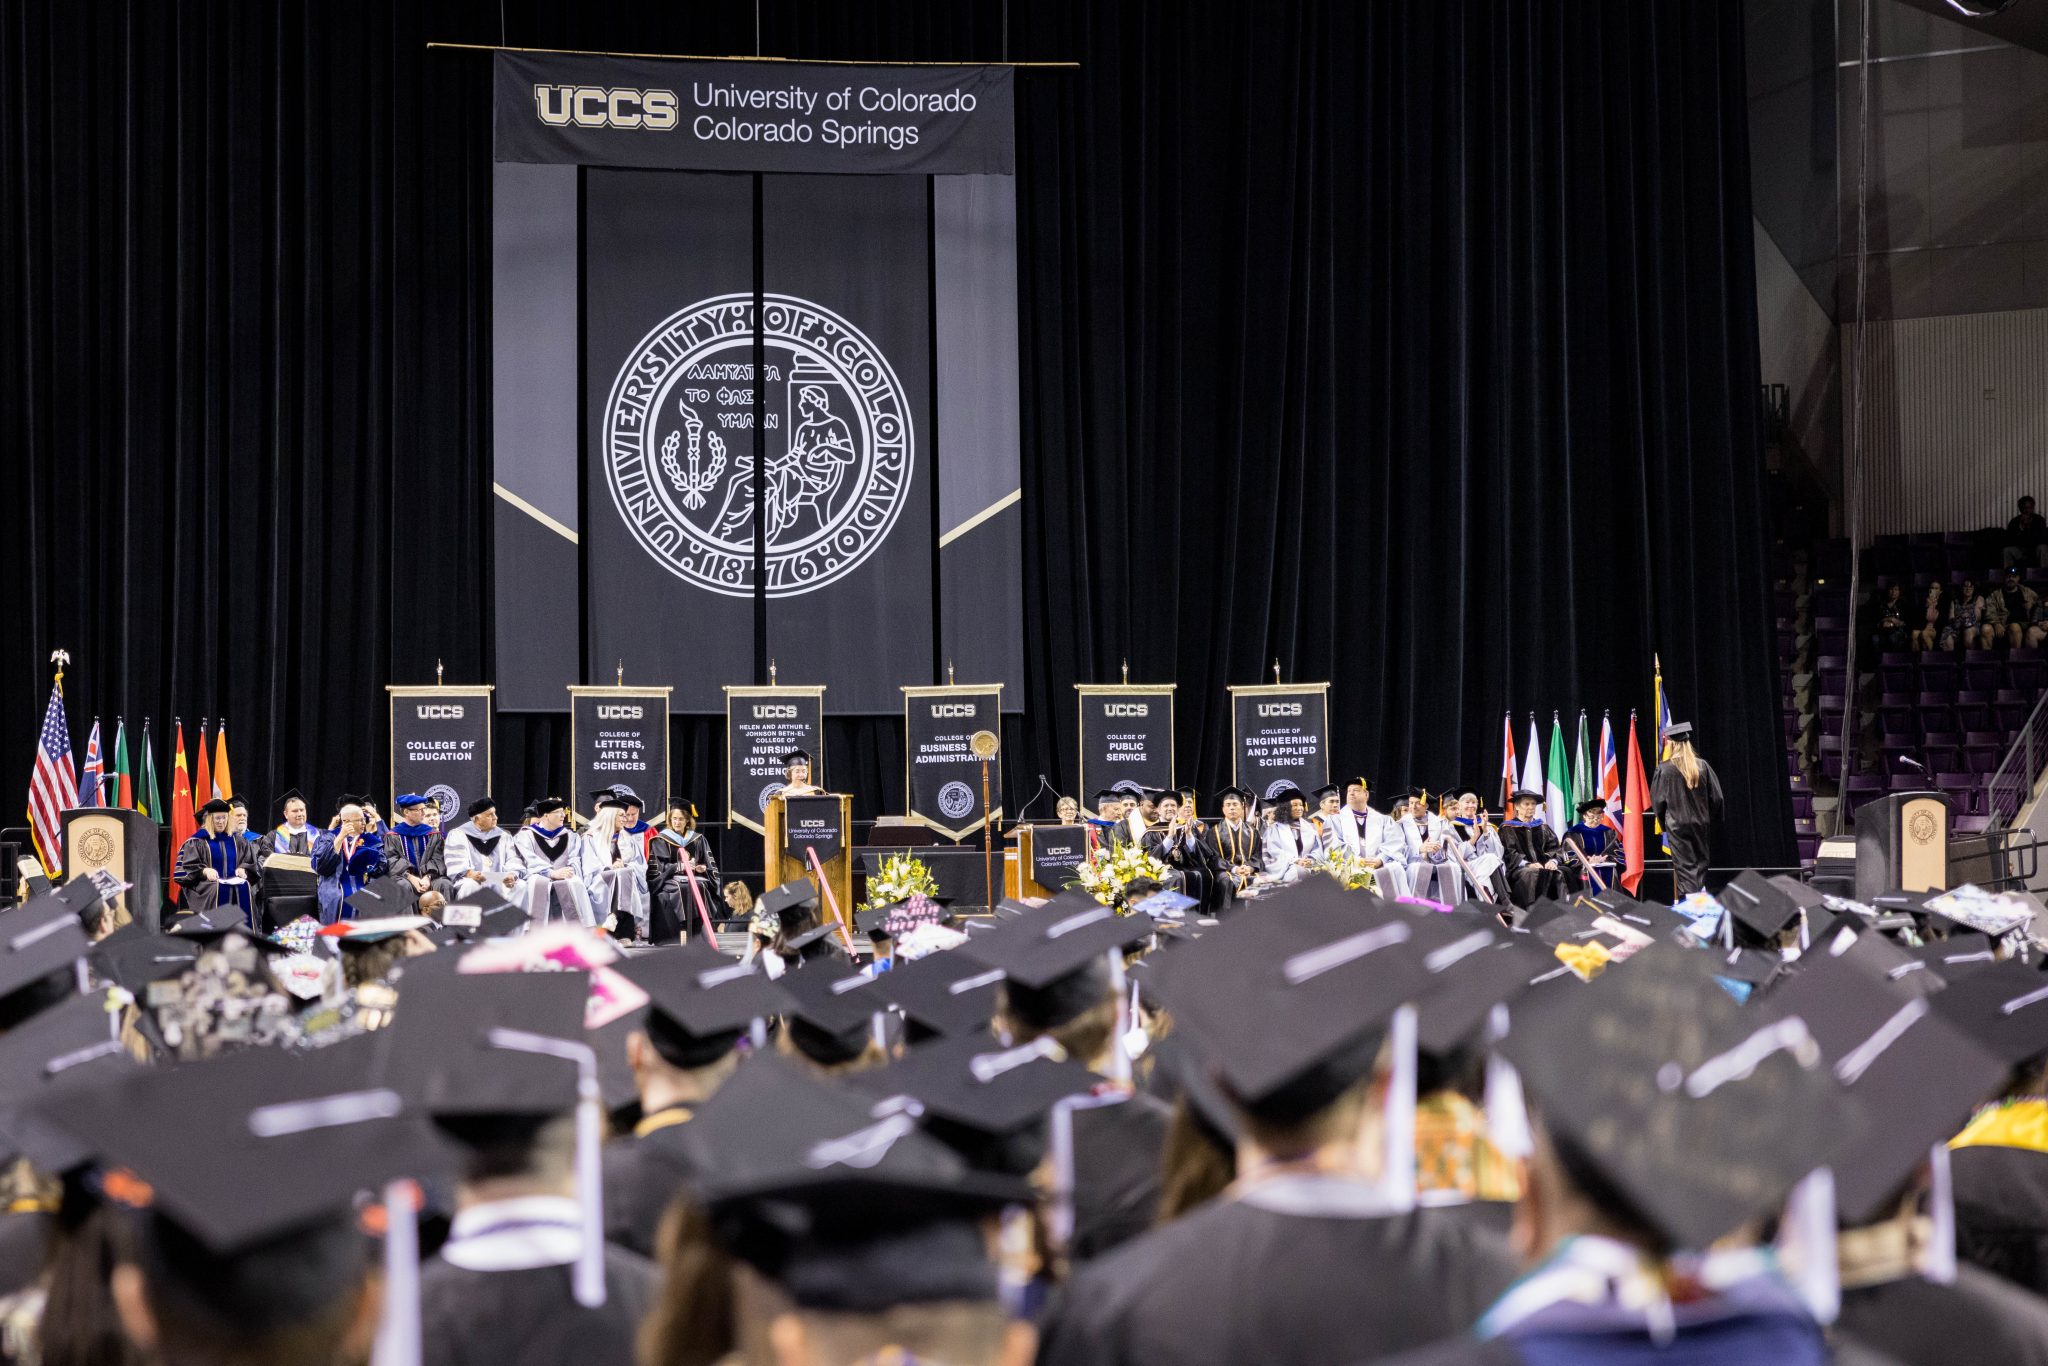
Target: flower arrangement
(1347, 869)
(901, 878)
(1106, 876)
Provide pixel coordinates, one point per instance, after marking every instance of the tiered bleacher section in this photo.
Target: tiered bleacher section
(1955, 713)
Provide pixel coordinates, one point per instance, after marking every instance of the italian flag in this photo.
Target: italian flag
(1557, 782)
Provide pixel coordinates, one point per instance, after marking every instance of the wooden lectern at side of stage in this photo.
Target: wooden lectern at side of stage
(820, 820)
(124, 843)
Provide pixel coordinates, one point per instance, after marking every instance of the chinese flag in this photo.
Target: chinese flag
(1635, 802)
(202, 782)
(183, 821)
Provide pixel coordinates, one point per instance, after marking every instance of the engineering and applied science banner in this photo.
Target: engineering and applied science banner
(753, 116)
(762, 725)
(1280, 735)
(441, 747)
(942, 775)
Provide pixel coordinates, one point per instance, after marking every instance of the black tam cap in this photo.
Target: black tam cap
(943, 993)
(700, 1001)
(481, 805)
(215, 807)
(545, 805)
(67, 1046)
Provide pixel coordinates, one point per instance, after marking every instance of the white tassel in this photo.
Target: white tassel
(1806, 1241)
(590, 1190)
(1941, 1206)
(1119, 1058)
(1398, 1181)
(398, 1333)
(1507, 1112)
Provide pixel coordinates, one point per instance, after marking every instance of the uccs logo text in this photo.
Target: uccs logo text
(594, 106)
(439, 711)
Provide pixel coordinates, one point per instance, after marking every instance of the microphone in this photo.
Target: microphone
(1910, 761)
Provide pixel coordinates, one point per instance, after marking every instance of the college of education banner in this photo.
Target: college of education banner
(1279, 734)
(1126, 737)
(762, 725)
(441, 747)
(942, 775)
(618, 735)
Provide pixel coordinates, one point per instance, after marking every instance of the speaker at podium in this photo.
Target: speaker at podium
(123, 843)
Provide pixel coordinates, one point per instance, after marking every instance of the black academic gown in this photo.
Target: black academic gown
(1233, 1282)
(530, 1317)
(431, 864)
(1978, 1319)
(1236, 846)
(1117, 1153)
(1192, 857)
(641, 1180)
(2001, 1198)
(1525, 848)
(1688, 815)
(672, 911)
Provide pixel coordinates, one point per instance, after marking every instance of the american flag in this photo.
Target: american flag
(54, 784)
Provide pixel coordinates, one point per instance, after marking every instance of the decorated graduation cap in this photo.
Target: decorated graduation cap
(1658, 1090)
(73, 1044)
(942, 993)
(1917, 1073)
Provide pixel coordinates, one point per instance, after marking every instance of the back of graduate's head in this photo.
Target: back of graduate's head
(1325, 1104)
(305, 1297)
(1568, 1194)
(536, 1151)
(1078, 1010)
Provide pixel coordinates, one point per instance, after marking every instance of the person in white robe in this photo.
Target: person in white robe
(1292, 843)
(552, 885)
(1424, 840)
(480, 855)
(1370, 837)
(614, 867)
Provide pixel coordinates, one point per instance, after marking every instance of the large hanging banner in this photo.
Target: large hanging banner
(942, 773)
(753, 116)
(794, 394)
(761, 726)
(1279, 735)
(441, 746)
(618, 736)
(1126, 737)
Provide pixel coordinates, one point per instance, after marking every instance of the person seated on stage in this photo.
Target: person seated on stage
(613, 865)
(345, 856)
(1481, 840)
(294, 836)
(1178, 843)
(1107, 830)
(796, 775)
(1370, 838)
(545, 853)
(1291, 842)
(1328, 800)
(416, 852)
(1423, 839)
(1066, 811)
(213, 866)
(1533, 849)
(677, 857)
(478, 855)
(1143, 815)
(1238, 841)
(1599, 841)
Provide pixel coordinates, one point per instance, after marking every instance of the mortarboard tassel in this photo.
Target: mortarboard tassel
(1806, 1241)
(589, 1272)
(1119, 1058)
(1941, 1205)
(398, 1333)
(1398, 1181)
(1507, 1111)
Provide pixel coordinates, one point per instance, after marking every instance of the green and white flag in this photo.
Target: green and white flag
(1557, 782)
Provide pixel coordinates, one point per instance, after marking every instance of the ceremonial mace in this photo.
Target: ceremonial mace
(986, 745)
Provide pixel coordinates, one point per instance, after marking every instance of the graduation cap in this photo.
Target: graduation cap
(1178, 1062)
(291, 794)
(1878, 957)
(368, 933)
(1288, 792)
(795, 757)
(214, 807)
(481, 805)
(819, 941)
(831, 1014)
(700, 1002)
(979, 1083)
(779, 900)
(1243, 794)
(408, 799)
(73, 1044)
(37, 940)
(1056, 960)
(1678, 730)
(377, 898)
(611, 800)
(1698, 1113)
(1108, 794)
(1523, 794)
(1589, 804)
(133, 961)
(543, 806)
(1474, 967)
(1752, 969)
(1759, 906)
(627, 796)
(942, 993)
(2003, 1007)
(442, 1056)
(1917, 1074)
(1327, 790)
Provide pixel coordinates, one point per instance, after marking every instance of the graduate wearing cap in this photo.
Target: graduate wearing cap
(415, 851)
(613, 865)
(1237, 841)
(552, 887)
(1999, 1161)
(213, 866)
(479, 855)
(1179, 843)
(1685, 794)
(1596, 838)
(1316, 1253)
(346, 856)
(796, 775)
(678, 856)
(1532, 851)
(294, 836)
(1107, 830)
(1291, 843)
(1423, 838)
(1371, 838)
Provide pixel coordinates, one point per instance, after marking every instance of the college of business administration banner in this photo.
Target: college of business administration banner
(942, 779)
(591, 110)
(618, 735)
(762, 725)
(441, 747)
(1280, 735)
(1126, 737)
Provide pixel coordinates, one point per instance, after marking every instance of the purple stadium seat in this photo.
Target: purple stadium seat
(1937, 675)
(1985, 678)
(1945, 757)
(1977, 717)
(1969, 825)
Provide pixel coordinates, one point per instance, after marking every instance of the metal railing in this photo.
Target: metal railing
(2008, 790)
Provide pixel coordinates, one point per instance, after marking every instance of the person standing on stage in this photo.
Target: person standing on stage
(479, 855)
(213, 865)
(1370, 838)
(1239, 843)
(796, 775)
(676, 857)
(1686, 797)
(346, 855)
(1532, 863)
(1291, 842)
(546, 856)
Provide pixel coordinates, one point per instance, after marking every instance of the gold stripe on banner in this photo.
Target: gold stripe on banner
(978, 518)
(688, 57)
(530, 510)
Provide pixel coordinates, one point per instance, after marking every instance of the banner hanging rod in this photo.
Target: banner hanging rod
(689, 57)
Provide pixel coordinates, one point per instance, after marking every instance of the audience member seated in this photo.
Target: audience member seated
(2026, 537)
(2009, 611)
(1933, 618)
(1963, 627)
(1885, 622)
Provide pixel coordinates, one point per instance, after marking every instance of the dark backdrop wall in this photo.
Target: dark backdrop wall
(1411, 344)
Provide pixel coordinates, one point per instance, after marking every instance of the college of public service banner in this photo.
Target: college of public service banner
(762, 725)
(942, 776)
(662, 114)
(441, 747)
(1126, 738)
(1280, 735)
(618, 736)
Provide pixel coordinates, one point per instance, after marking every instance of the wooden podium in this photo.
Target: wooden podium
(823, 821)
(123, 843)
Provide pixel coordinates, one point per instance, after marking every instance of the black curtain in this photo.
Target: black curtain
(1412, 345)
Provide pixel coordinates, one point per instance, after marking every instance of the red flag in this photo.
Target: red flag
(1508, 779)
(1635, 802)
(202, 784)
(183, 822)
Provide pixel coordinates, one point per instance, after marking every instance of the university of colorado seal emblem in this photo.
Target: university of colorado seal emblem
(836, 441)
